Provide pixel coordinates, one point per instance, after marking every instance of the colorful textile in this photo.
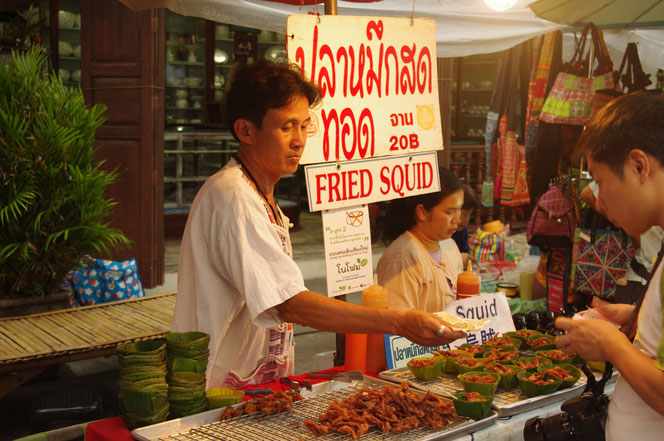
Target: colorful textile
(571, 97)
(103, 281)
(555, 292)
(521, 195)
(543, 52)
(601, 262)
(552, 221)
(488, 247)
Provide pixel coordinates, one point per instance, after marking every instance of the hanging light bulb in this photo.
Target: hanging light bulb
(500, 5)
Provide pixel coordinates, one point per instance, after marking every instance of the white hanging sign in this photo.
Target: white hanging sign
(352, 183)
(493, 307)
(379, 84)
(347, 239)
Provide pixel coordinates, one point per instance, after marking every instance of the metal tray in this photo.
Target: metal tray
(290, 425)
(507, 403)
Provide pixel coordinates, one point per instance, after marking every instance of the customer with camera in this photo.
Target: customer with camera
(624, 145)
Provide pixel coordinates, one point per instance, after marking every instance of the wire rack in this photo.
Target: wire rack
(290, 425)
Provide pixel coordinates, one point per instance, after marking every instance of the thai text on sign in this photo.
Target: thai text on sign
(379, 85)
(352, 183)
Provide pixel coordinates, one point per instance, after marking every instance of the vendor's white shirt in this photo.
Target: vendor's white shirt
(413, 280)
(235, 266)
(630, 418)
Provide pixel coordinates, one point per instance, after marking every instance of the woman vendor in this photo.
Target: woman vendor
(237, 280)
(420, 266)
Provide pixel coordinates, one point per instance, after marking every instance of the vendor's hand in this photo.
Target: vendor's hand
(592, 339)
(423, 327)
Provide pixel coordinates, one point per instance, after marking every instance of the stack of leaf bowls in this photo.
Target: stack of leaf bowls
(143, 391)
(187, 357)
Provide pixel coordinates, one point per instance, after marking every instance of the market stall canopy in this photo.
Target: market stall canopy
(463, 27)
(614, 13)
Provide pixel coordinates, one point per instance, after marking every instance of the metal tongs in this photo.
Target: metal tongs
(347, 377)
(296, 385)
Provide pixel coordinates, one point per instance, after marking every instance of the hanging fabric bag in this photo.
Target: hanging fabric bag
(570, 99)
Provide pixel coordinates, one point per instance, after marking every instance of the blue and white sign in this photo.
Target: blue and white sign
(398, 350)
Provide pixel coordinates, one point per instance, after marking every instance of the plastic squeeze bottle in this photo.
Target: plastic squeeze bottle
(468, 283)
(375, 296)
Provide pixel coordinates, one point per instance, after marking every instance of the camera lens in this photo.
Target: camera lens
(553, 428)
(557, 428)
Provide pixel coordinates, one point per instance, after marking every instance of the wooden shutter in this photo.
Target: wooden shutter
(123, 68)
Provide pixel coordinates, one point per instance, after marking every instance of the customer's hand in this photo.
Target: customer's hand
(423, 327)
(618, 313)
(592, 339)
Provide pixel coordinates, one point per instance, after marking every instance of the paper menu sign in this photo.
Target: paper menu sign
(493, 307)
(347, 240)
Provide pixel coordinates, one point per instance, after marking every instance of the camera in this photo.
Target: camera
(582, 419)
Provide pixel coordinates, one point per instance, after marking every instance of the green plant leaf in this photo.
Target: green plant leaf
(53, 204)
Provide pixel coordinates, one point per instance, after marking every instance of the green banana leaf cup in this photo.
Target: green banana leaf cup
(472, 409)
(427, 368)
(483, 388)
(559, 357)
(508, 379)
(530, 388)
(468, 364)
(573, 371)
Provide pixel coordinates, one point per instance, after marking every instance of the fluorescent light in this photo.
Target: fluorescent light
(500, 5)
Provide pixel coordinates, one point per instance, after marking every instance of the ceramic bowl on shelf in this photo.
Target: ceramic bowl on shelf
(76, 75)
(181, 103)
(65, 75)
(76, 51)
(65, 49)
(220, 56)
(276, 53)
(181, 93)
(66, 19)
(219, 80)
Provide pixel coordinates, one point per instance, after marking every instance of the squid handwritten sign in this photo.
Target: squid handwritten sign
(379, 85)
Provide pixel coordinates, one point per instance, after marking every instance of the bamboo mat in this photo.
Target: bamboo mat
(87, 329)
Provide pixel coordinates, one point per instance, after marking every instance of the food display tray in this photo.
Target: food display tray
(290, 425)
(510, 402)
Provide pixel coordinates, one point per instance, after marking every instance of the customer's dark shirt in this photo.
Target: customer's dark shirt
(461, 239)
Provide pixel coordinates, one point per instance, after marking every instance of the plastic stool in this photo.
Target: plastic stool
(63, 408)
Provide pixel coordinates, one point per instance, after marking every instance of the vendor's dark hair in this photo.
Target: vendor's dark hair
(400, 215)
(264, 85)
(633, 121)
(469, 198)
